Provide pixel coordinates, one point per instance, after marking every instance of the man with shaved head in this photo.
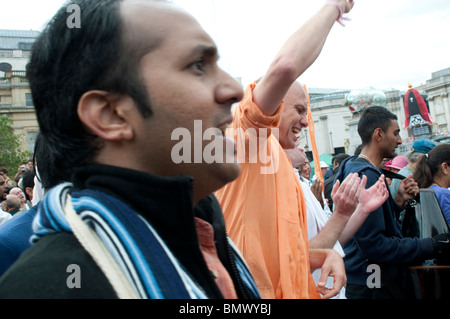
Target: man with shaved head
(21, 195)
(12, 204)
(131, 222)
(264, 207)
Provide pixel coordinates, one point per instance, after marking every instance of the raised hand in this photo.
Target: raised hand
(345, 197)
(316, 189)
(407, 189)
(372, 198)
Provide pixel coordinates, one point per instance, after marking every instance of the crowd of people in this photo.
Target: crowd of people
(138, 225)
(16, 194)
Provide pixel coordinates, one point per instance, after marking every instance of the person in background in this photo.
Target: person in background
(4, 216)
(4, 173)
(264, 207)
(419, 148)
(379, 240)
(20, 171)
(394, 166)
(142, 225)
(15, 233)
(433, 172)
(305, 172)
(329, 170)
(28, 186)
(11, 204)
(397, 164)
(329, 182)
(21, 195)
(324, 168)
(353, 204)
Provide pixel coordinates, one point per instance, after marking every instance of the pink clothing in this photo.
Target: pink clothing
(205, 233)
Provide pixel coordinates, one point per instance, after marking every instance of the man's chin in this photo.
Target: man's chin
(287, 145)
(223, 175)
(232, 171)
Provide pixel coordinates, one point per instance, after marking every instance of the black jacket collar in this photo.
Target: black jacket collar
(166, 202)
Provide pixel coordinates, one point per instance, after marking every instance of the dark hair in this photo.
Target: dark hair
(372, 118)
(339, 158)
(44, 165)
(358, 150)
(429, 164)
(27, 181)
(8, 188)
(4, 170)
(67, 62)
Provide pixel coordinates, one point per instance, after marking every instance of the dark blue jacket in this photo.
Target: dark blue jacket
(15, 237)
(164, 202)
(379, 240)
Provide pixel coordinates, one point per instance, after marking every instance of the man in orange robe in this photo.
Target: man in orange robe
(264, 208)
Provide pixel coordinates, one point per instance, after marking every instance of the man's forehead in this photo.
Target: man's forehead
(149, 24)
(296, 94)
(153, 15)
(393, 125)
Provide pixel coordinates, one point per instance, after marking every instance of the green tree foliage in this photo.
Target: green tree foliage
(11, 154)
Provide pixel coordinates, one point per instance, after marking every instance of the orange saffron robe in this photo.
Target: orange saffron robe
(265, 210)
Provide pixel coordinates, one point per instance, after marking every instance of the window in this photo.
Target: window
(29, 99)
(25, 45)
(31, 139)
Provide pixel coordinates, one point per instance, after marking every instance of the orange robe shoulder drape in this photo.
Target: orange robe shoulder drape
(264, 208)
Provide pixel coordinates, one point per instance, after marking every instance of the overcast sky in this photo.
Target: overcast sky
(387, 43)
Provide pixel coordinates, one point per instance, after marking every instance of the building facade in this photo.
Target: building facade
(438, 89)
(15, 94)
(334, 123)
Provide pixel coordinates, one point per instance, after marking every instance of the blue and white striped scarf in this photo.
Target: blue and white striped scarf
(146, 261)
(143, 257)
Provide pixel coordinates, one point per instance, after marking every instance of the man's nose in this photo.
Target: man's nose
(304, 121)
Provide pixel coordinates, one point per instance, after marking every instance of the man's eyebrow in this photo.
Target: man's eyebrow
(208, 51)
(300, 108)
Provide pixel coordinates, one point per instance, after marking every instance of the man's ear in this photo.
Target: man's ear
(106, 115)
(445, 168)
(29, 191)
(378, 134)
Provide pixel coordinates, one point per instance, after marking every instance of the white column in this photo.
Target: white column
(446, 110)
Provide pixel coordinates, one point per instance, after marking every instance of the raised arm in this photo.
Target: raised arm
(369, 200)
(297, 54)
(346, 220)
(345, 197)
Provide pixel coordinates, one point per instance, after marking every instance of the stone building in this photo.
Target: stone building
(335, 125)
(330, 115)
(15, 94)
(437, 89)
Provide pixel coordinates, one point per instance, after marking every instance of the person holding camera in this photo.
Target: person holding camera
(20, 171)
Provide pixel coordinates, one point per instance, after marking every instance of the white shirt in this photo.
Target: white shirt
(316, 220)
(38, 191)
(4, 216)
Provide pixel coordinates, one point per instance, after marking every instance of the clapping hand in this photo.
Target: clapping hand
(345, 197)
(372, 198)
(407, 190)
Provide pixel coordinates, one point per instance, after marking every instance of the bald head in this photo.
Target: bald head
(19, 193)
(137, 38)
(12, 202)
(147, 22)
(294, 117)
